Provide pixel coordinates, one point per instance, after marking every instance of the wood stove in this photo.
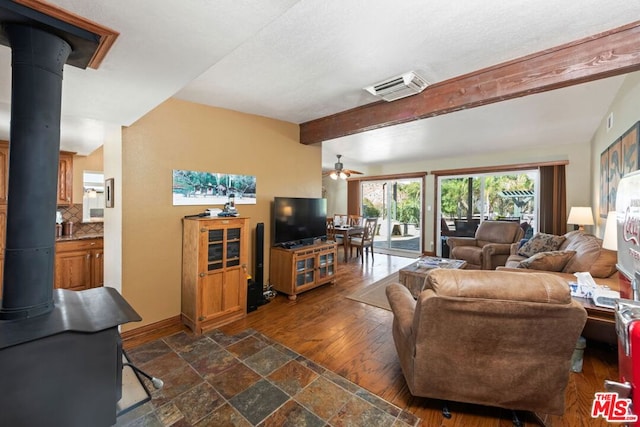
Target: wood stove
(60, 350)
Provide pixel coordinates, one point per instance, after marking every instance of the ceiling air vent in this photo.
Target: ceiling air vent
(398, 87)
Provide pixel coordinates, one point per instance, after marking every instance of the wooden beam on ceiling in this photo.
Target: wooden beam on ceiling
(604, 55)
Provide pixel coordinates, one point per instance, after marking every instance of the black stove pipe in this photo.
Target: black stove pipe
(38, 58)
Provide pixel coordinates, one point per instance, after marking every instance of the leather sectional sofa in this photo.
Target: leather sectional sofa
(589, 256)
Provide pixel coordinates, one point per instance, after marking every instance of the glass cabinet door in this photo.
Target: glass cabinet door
(223, 247)
(215, 248)
(326, 265)
(233, 247)
(305, 270)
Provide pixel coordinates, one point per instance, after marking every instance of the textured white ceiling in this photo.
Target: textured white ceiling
(300, 60)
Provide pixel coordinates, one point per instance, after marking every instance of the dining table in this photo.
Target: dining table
(347, 231)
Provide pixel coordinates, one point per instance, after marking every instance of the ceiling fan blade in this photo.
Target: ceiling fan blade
(351, 171)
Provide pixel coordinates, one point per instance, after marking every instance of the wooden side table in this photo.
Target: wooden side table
(601, 322)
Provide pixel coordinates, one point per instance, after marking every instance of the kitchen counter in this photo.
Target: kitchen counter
(75, 237)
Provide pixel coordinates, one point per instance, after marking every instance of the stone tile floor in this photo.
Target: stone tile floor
(249, 380)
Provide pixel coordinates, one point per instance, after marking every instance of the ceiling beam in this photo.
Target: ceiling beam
(607, 54)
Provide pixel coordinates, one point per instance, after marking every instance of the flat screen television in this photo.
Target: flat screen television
(298, 220)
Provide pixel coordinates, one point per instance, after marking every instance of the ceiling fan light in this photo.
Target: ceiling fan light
(344, 175)
(333, 175)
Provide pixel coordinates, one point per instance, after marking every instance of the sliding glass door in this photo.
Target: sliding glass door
(397, 203)
(466, 200)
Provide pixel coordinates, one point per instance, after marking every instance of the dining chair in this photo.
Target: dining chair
(355, 220)
(365, 240)
(340, 219)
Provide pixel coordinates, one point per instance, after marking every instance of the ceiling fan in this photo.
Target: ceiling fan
(340, 171)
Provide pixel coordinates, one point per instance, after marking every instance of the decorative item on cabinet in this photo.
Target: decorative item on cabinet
(214, 271)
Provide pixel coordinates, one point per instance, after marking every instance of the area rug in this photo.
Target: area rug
(374, 294)
(249, 379)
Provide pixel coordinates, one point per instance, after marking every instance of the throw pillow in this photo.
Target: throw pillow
(541, 242)
(548, 261)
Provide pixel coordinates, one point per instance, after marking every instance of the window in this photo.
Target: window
(466, 200)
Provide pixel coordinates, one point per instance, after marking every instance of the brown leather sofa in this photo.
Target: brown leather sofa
(489, 248)
(589, 256)
(492, 338)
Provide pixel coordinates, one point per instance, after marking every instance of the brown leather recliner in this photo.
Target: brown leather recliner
(492, 338)
(491, 246)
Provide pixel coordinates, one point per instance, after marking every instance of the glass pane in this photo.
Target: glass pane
(300, 265)
(299, 279)
(233, 249)
(215, 252)
(310, 263)
(233, 233)
(215, 235)
(467, 200)
(214, 266)
(398, 206)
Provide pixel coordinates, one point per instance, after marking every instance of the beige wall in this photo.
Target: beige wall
(183, 135)
(626, 112)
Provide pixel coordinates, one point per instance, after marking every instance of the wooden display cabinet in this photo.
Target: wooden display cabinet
(214, 271)
(293, 271)
(79, 264)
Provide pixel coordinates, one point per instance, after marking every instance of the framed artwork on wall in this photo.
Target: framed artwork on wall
(109, 199)
(630, 150)
(207, 188)
(604, 183)
(620, 158)
(615, 172)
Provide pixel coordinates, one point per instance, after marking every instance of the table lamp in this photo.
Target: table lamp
(610, 238)
(580, 216)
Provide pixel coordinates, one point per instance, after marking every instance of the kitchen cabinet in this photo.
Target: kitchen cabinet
(79, 264)
(65, 178)
(293, 271)
(214, 272)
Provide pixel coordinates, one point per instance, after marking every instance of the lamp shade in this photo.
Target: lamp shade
(610, 239)
(580, 215)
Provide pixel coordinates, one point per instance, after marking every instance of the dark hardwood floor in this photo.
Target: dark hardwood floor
(354, 340)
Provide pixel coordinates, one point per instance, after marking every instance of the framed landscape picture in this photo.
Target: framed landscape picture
(630, 150)
(615, 172)
(207, 188)
(619, 159)
(604, 183)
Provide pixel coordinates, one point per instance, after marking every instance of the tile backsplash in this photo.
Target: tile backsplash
(73, 213)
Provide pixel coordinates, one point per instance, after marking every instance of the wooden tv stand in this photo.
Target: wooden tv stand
(293, 271)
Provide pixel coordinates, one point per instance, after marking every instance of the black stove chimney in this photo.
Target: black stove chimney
(38, 58)
(60, 350)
